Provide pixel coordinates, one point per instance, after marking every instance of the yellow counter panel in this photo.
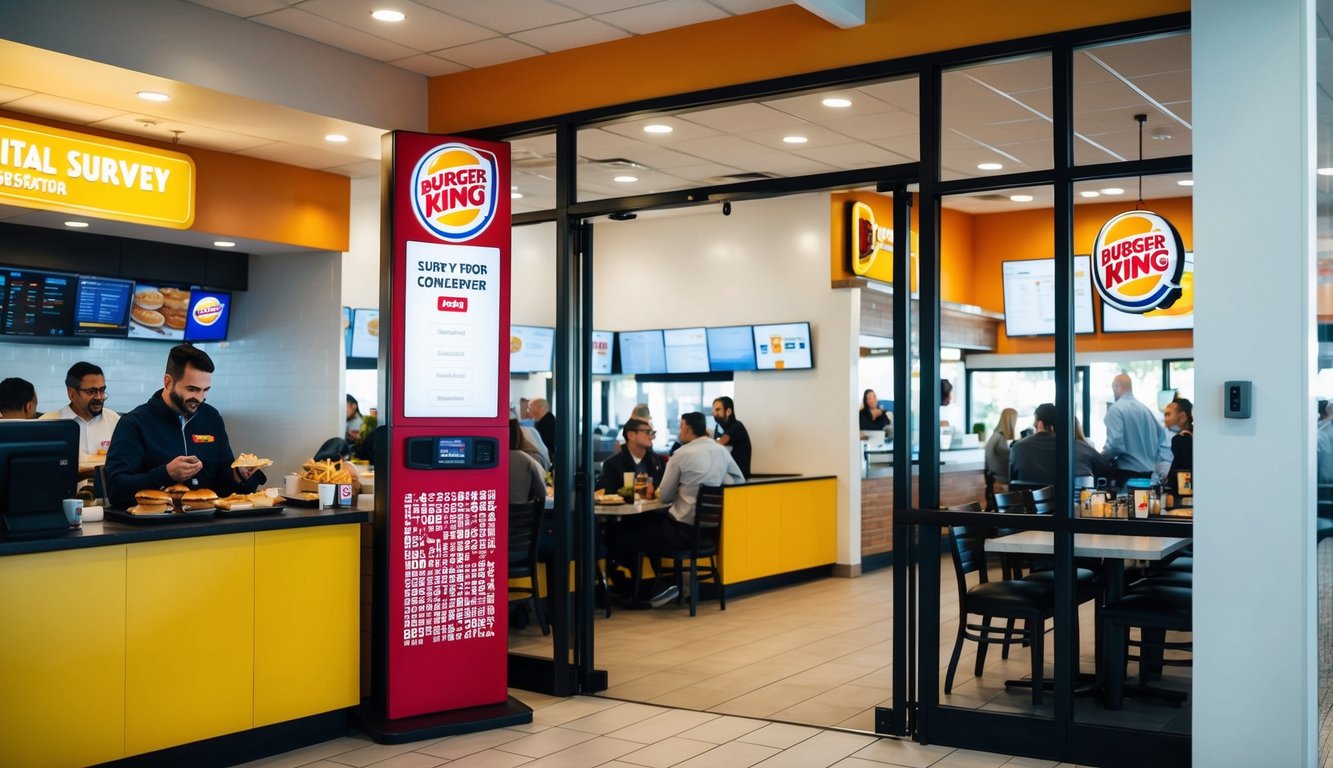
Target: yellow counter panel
(771, 528)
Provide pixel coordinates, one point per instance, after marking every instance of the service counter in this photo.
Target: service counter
(775, 528)
(121, 639)
(962, 479)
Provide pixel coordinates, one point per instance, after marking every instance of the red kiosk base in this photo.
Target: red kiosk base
(370, 718)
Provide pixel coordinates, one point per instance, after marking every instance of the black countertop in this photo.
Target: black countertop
(111, 532)
(771, 479)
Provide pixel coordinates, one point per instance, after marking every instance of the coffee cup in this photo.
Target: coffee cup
(328, 493)
(73, 511)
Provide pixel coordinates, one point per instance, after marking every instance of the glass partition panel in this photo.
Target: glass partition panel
(997, 118)
(533, 173)
(1113, 83)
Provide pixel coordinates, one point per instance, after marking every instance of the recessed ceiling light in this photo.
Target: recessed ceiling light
(989, 166)
(1186, 182)
(336, 138)
(837, 102)
(224, 244)
(153, 96)
(1021, 198)
(76, 224)
(1089, 193)
(1325, 171)
(387, 15)
(657, 128)
(1161, 133)
(1113, 191)
(794, 139)
(626, 179)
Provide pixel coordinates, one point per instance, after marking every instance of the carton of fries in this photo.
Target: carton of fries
(313, 473)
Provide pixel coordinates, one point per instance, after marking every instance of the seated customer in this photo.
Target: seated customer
(635, 456)
(526, 481)
(997, 447)
(1032, 459)
(873, 416)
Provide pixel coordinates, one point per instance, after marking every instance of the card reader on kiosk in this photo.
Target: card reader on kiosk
(452, 452)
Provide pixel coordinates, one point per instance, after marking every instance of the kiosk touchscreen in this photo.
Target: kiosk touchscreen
(39, 466)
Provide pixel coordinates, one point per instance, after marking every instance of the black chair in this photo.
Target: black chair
(1014, 501)
(1043, 499)
(1155, 611)
(992, 485)
(525, 534)
(333, 449)
(1020, 600)
(707, 530)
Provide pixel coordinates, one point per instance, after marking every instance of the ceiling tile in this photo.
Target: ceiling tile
(298, 155)
(332, 33)
(1167, 86)
(737, 118)
(660, 158)
(486, 53)
(1012, 74)
(847, 156)
(63, 109)
(242, 8)
(783, 164)
(706, 173)
(682, 130)
(907, 146)
(190, 134)
(903, 94)
(8, 93)
(428, 65)
(572, 34)
(722, 149)
(739, 7)
(544, 143)
(507, 16)
(425, 29)
(810, 106)
(663, 14)
(595, 142)
(591, 7)
(1146, 57)
(357, 170)
(773, 137)
(871, 127)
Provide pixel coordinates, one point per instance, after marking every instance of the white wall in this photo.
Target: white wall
(276, 382)
(1255, 666)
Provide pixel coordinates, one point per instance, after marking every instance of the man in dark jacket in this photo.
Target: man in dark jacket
(635, 456)
(1032, 459)
(176, 437)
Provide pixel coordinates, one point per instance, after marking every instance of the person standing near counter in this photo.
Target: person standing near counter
(997, 447)
(872, 416)
(176, 437)
(731, 433)
(18, 399)
(86, 386)
(1179, 421)
(1136, 442)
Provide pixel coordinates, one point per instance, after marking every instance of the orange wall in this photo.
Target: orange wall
(1000, 237)
(238, 196)
(741, 49)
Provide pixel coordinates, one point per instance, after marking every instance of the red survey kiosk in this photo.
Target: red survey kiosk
(439, 641)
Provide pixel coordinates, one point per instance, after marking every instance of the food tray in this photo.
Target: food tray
(252, 511)
(296, 502)
(166, 517)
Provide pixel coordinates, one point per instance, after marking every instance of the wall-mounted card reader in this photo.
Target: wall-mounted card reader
(1236, 396)
(452, 452)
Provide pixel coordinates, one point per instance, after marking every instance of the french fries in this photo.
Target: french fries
(328, 471)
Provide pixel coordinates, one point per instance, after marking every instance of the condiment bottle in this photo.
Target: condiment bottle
(641, 485)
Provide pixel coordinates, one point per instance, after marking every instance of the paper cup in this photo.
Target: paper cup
(92, 514)
(73, 510)
(328, 493)
(629, 480)
(292, 484)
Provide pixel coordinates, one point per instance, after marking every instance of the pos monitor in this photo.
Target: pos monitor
(39, 465)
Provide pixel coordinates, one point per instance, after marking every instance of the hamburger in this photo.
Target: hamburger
(151, 502)
(177, 491)
(198, 499)
(174, 298)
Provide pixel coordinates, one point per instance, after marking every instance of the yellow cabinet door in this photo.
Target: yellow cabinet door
(307, 631)
(62, 646)
(189, 671)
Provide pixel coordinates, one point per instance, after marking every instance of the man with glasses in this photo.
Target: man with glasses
(86, 387)
(636, 456)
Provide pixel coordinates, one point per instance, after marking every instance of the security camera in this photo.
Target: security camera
(726, 208)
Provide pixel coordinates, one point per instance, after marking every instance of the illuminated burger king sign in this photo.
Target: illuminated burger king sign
(453, 191)
(1139, 259)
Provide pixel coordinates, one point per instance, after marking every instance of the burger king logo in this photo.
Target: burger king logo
(207, 310)
(453, 191)
(1139, 259)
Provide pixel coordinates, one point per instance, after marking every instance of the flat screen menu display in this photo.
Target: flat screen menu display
(1029, 297)
(531, 348)
(602, 341)
(159, 312)
(209, 315)
(102, 307)
(731, 348)
(365, 333)
(39, 303)
(686, 350)
(783, 346)
(347, 331)
(642, 352)
(1179, 316)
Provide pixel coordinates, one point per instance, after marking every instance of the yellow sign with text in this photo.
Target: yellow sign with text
(57, 170)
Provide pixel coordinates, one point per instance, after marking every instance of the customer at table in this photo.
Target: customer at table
(730, 432)
(636, 456)
(527, 482)
(1136, 442)
(86, 387)
(176, 437)
(1033, 459)
(997, 447)
(699, 461)
(872, 417)
(544, 422)
(1179, 421)
(352, 431)
(18, 399)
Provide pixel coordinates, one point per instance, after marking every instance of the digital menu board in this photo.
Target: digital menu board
(1177, 317)
(102, 307)
(159, 312)
(347, 331)
(1029, 297)
(642, 352)
(39, 303)
(602, 341)
(531, 348)
(686, 350)
(731, 348)
(365, 333)
(783, 346)
(209, 315)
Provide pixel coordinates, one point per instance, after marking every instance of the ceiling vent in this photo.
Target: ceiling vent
(618, 164)
(732, 178)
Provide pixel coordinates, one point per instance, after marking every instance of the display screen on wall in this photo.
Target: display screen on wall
(159, 312)
(783, 346)
(1179, 316)
(686, 350)
(102, 307)
(731, 348)
(531, 348)
(209, 315)
(347, 331)
(642, 352)
(365, 333)
(39, 304)
(1029, 297)
(602, 342)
